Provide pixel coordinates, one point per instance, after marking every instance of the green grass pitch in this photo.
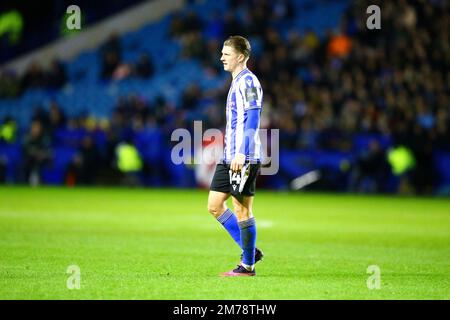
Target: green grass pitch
(163, 244)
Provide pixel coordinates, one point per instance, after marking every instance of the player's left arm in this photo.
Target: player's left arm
(250, 129)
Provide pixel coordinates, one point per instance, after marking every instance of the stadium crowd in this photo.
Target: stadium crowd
(319, 90)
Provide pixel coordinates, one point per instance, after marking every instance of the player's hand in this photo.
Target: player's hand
(238, 162)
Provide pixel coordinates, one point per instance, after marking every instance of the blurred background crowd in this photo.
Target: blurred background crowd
(370, 109)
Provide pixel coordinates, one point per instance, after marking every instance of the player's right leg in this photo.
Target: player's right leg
(218, 208)
(217, 203)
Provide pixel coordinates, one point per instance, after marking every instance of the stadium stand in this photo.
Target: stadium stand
(341, 95)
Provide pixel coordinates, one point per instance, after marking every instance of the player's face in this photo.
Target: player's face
(229, 58)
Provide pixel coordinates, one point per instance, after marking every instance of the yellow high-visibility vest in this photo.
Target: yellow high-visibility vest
(401, 160)
(128, 158)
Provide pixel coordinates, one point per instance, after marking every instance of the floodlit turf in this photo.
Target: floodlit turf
(162, 244)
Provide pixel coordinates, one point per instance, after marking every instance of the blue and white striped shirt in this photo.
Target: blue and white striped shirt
(244, 105)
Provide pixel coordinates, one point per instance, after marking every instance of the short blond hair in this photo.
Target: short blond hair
(240, 44)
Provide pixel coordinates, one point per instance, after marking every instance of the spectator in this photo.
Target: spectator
(339, 45)
(37, 152)
(194, 46)
(57, 119)
(192, 22)
(110, 63)
(56, 76)
(34, 77)
(191, 97)
(370, 170)
(144, 67)
(112, 45)
(84, 166)
(9, 85)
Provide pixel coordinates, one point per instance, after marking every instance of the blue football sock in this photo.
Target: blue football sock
(230, 223)
(248, 240)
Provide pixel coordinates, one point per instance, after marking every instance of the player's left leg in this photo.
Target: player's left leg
(243, 209)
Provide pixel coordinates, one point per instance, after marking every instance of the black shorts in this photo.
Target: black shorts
(221, 180)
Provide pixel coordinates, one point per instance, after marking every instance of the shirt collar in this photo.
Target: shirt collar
(240, 74)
